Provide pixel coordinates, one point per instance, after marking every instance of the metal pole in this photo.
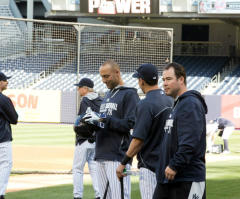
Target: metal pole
(171, 58)
(30, 8)
(78, 60)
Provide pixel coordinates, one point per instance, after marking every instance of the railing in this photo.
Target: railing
(198, 48)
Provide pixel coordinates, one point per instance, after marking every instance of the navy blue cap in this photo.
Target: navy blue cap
(147, 72)
(85, 82)
(3, 77)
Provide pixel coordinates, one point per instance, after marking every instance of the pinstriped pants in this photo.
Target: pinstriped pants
(106, 171)
(147, 183)
(84, 152)
(5, 165)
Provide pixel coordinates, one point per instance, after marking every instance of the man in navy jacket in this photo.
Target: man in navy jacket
(182, 173)
(151, 114)
(112, 141)
(8, 116)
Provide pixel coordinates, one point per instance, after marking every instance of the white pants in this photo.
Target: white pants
(106, 171)
(227, 132)
(197, 190)
(211, 130)
(147, 183)
(5, 165)
(84, 152)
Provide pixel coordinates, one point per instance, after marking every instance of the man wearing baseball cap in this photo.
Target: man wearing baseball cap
(85, 148)
(8, 116)
(151, 114)
(3, 77)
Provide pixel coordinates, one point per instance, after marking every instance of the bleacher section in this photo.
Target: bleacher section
(231, 84)
(5, 11)
(199, 70)
(29, 70)
(11, 37)
(33, 63)
(20, 79)
(66, 81)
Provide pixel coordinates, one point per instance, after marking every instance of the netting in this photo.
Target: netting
(52, 56)
(46, 59)
(130, 47)
(43, 53)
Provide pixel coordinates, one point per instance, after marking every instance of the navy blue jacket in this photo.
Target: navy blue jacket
(184, 141)
(119, 105)
(90, 100)
(8, 115)
(151, 114)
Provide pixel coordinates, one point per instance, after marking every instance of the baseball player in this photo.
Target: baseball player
(85, 148)
(112, 141)
(225, 128)
(151, 114)
(8, 116)
(182, 171)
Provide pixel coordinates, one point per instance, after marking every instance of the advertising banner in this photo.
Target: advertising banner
(167, 5)
(36, 105)
(219, 6)
(119, 7)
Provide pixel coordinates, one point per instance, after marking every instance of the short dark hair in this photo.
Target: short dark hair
(152, 82)
(112, 63)
(178, 70)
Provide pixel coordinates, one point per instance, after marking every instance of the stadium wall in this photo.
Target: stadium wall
(68, 106)
(36, 105)
(53, 106)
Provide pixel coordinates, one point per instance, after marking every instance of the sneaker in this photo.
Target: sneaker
(1, 197)
(77, 198)
(226, 152)
(98, 198)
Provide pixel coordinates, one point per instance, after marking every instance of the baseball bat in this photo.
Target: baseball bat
(122, 188)
(106, 189)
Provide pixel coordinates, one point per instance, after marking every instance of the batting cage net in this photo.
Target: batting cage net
(46, 58)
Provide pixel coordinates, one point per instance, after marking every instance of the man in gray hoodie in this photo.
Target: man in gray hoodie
(85, 147)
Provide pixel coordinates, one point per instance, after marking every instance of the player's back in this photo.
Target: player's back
(159, 106)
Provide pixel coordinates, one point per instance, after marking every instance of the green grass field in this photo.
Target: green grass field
(43, 134)
(223, 175)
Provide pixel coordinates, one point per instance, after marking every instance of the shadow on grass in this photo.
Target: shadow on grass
(62, 192)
